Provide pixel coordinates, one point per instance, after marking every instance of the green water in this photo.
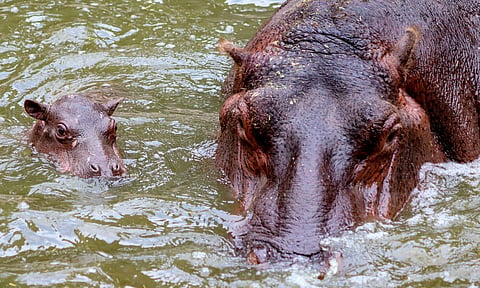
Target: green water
(167, 224)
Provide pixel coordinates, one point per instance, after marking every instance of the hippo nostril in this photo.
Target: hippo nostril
(95, 168)
(115, 167)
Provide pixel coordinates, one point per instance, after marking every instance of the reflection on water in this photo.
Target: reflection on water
(167, 223)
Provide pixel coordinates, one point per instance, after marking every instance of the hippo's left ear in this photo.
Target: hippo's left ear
(402, 57)
(36, 109)
(111, 105)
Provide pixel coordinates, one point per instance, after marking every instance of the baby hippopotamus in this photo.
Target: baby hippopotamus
(79, 134)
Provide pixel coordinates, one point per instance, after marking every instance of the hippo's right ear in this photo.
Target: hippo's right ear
(35, 109)
(239, 55)
(111, 105)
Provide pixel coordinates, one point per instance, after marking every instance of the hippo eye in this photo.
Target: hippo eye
(394, 134)
(61, 132)
(393, 131)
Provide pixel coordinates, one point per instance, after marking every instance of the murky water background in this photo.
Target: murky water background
(167, 224)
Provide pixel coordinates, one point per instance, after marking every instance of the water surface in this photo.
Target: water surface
(167, 224)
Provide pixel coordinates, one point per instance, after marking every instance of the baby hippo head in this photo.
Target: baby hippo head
(78, 134)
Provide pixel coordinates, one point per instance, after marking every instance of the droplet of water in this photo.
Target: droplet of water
(23, 205)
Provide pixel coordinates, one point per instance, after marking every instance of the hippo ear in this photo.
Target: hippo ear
(111, 105)
(402, 55)
(239, 55)
(35, 109)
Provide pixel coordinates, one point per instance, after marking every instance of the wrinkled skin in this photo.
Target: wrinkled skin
(332, 108)
(78, 134)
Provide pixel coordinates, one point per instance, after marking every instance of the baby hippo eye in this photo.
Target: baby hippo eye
(61, 131)
(63, 134)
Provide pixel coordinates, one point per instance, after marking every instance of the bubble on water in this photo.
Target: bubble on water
(23, 205)
(199, 255)
(227, 30)
(204, 272)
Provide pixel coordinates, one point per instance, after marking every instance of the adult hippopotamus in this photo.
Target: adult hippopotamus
(332, 108)
(79, 134)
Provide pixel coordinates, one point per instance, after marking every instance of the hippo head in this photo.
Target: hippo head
(313, 144)
(78, 134)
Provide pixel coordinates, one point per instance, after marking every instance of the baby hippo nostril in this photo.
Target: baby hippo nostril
(114, 168)
(95, 168)
(117, 169)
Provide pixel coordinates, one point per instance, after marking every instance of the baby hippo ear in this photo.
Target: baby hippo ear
(402, 56)
(111, 105)
(35, 109)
